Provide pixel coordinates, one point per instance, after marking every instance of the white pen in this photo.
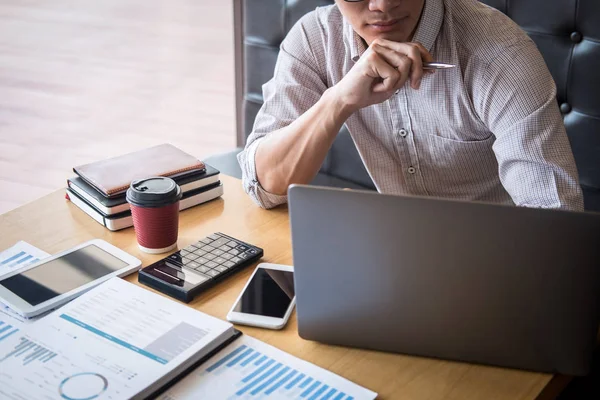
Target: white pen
(437, 65)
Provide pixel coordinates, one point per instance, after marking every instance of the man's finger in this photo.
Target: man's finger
(378, 68)
(415, 51)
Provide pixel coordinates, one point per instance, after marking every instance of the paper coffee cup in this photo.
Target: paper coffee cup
(154, 204)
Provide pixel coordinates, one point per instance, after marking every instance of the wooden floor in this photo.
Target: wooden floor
(81, 80)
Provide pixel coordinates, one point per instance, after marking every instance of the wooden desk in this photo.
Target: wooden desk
(54, 225)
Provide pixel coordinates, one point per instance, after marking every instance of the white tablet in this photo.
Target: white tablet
(55, 280)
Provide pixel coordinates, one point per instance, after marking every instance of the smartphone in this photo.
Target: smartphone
(268, 299)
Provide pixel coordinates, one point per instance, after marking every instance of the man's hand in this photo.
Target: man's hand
(384, 68)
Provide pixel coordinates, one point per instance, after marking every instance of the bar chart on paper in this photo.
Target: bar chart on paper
(19, 255)
(7, 328)
(28, 351)
(251, 369)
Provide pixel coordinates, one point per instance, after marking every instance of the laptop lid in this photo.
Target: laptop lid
(500, 285)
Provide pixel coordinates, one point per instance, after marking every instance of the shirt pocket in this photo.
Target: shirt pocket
(459, 169)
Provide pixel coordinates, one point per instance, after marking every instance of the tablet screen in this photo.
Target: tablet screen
(62, 274)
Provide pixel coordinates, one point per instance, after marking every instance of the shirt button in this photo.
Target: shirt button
(403, 132)
(397, 91)
(411, 170)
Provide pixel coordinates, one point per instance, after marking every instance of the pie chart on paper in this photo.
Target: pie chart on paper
(83, 386)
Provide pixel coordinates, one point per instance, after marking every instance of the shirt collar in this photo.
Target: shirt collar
(426, 33)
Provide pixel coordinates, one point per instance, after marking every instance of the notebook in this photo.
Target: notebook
(123, 219)
(113, 176)
(121, 341)
(118, 203)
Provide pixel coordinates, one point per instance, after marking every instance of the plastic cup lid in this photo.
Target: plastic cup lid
(153, 192)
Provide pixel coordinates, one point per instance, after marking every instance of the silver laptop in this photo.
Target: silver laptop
(499, 285)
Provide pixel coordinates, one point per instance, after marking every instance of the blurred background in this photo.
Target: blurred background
(83, 80)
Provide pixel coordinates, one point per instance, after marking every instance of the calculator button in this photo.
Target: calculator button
(225, 248)
(210, 256)
(236, 260)
(227, 256)
(199, 253)
(252, 252)
(221, 268)
(201, 260)
(175, 257)
(189, 249)
(211, 264)
(186, 260)
(214, 237)
(191, 256)
(232, 243)
(234, 252)
(219, 260)
(213, 273)
(242, 247)
(220, 242)
(207, 248)
(217, 252)
(206, 241)
(202, 269)
(192, 265)
(184, 252)
(228, 264)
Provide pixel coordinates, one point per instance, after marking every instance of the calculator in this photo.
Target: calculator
(188, 272)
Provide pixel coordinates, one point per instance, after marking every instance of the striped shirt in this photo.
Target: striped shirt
(489, 130)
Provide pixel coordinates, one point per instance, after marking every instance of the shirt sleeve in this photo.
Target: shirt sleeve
(516, 99)
(298, 83)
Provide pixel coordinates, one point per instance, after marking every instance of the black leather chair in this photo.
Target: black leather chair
(566, 32)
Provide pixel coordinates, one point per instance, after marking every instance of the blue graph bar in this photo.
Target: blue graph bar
(306, 382)
(1, 322)
(270, 380)
(310, 389)
(240, 357)
(21, 254)
(4, 329)
(21, 261)
(8, 334)
(319, 392)
(33, 356)
(50, 358)
(329, 394)
(250, 359)
(281, 382)
(258, 371)
(25, 349)
(226, 358)
(259, 379)
(263, 358)
(340, 396)
(295, 381)
(37, 350)
(350, 398)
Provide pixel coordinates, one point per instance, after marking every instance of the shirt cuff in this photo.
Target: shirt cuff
(250, 179)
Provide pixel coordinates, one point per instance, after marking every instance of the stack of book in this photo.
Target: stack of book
(99, 188)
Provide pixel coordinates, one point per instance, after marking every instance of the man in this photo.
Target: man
(487, 130)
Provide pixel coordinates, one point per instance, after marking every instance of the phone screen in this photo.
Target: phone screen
(269, 293)
(63, 274)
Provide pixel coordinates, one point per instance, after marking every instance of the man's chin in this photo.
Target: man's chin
(391, 36)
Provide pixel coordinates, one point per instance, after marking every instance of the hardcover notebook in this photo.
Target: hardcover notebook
(122, 220)
(121, 341)
(113, 176)
(118, 203)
